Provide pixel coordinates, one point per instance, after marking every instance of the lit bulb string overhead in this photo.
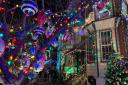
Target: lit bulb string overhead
(65, 26)
(62, 30)
(58, 19)
(9, 11)
(49, 40)
(71, 6)
(5, 69)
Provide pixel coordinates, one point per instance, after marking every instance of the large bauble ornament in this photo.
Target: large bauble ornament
(100, 5)
(29, 7)
(38, 66)
(38, 31)
(54, 43)
(24, 63)
(33, 50)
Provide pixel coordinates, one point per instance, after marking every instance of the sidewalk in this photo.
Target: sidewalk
(100, 81)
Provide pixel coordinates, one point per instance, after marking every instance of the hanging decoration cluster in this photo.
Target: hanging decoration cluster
(23, 49)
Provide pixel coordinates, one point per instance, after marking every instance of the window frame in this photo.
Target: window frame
(103, 45)
(93, 50)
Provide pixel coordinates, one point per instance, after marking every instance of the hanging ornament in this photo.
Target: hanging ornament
(2, 46)
(41, 18)
(24, 62)
(49, 30)
(33, 50)
(38, 66)
(40, 56)
(54, 43)
(29, 7)
(2, 25)
(38, 31)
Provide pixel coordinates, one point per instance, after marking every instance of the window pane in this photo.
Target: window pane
(108, 37)
(106, 44)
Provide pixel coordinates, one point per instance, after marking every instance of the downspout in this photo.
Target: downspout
(117, 20)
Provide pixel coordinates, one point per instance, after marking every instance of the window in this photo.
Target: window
(91, 49)
(106, 44)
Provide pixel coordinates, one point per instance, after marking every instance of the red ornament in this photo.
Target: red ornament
(41, 18)
(44, 49)
(2, 9)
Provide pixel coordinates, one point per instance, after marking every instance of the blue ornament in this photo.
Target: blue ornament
(19, 34)
(40, 56)
(38, 66)
(2, 25)
(54, 42)
(29, 7)
(33, 50)
(37, 32)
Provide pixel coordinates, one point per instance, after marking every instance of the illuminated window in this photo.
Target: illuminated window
(106, 44)
(91, 49)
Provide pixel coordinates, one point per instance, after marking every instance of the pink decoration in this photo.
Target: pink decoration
(100, 5)
(44, 58)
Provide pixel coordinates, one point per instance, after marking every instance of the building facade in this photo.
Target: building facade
(110, 34)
